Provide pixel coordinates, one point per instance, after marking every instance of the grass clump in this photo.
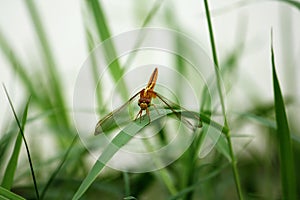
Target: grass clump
(232, 170)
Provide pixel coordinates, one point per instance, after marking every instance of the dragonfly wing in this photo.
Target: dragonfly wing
(114, 119)
(187, 117)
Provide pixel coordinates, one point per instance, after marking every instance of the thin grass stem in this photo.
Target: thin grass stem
(216, 65)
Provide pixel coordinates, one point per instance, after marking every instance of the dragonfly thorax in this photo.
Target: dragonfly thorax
(144, 103)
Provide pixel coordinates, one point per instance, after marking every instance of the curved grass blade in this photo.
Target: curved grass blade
(288, 181)
(13, 162)
(122, 138)
(6, 194)
(118, 142)
(115, 68)
(25, 142)
(296, 4)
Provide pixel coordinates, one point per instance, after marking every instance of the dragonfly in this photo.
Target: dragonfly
(144, 102)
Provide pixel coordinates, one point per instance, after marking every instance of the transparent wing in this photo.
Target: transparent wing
(116, 118)
(189, 118)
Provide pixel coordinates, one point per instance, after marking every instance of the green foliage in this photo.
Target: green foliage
(9, 174)
(228, 136)
(288, 182)
(115, 69)
(6, 194)
(226, 173)
(7, 181)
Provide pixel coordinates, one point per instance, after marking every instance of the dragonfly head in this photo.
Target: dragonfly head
(143, 105)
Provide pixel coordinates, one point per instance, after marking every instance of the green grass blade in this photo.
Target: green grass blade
(54, 174)
(218, 76)
(288, 181)
(42, 98)
(110, 53)
(215, 59)
(95, 70)
(152, 12)
(269, 124)
(13, 162)
(25, 142)
(295, 4)
(45, 98)
(4, 147)
(123, 138)
(126, 184)
(118, 142)
(16, 64)
(6, 194)
(55, 84)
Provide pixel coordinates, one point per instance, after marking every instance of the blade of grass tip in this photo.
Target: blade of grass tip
(110, 53)
(6, 194)
(216, 64)
(13, 162)
(49, 61)
(288, 181)
(25, 142)
(54, 174)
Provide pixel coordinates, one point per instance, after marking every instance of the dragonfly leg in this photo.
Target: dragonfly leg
(139, 115)
(148, 113)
